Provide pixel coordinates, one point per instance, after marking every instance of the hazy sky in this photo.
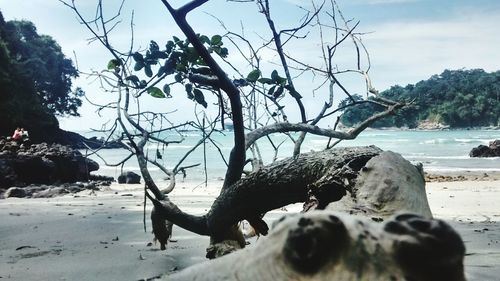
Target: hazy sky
(408, 40)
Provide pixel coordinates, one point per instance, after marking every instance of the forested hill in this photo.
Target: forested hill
(458, 98)
(35, 82)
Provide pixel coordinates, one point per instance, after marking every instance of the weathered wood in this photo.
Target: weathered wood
(366, 238)
(327, 174)
(387, 184)
(324, 245)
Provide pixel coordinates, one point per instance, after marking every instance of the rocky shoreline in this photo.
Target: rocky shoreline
(45, 170)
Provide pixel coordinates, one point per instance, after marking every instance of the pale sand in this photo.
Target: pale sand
(75, 238)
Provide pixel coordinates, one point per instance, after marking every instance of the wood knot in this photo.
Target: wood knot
(313, 243)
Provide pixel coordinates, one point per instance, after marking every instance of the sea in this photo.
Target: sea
(438, 151)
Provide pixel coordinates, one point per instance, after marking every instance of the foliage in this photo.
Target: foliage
(19, 105)
(459, 98)
(39, 60)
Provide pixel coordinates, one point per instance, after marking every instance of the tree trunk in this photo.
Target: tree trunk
(324, 176)
(353, 239)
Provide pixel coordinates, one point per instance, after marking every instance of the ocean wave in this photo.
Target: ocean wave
(486, 141)
(126, 168)
(375, 135)
(437, 141)
(460, 157)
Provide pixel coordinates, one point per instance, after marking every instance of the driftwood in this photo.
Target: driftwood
(362, 237)
(325, 176)
(324, 245)
(386, 185)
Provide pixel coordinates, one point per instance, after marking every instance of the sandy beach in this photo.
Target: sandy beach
(100, 236)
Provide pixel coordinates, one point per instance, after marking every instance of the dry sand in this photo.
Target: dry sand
(101, 237)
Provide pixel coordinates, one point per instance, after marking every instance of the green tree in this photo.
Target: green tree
(35, 82)
(460, 98)
(41, 59)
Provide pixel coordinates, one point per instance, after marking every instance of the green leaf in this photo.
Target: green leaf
(170, 46)
(148, 71)
(205, 39)
(275, 76)
(138, 57)
(134, 79)
(176, 39)
(265, 81)
(143, 84)
(178, 77)
(189, 87)
(278, 92)
(216, 40)
(277, 79)
(161, 70)
(153, 46)
(223, 52)
(138, 66)
(113, 64)
(271, 91)
(254, 75)
(181, 67)
(199, 97)
(156, 92)
(166, 90)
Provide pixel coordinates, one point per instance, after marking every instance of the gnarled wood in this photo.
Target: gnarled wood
(328, 174)
(325, 245)
(386, 185)
(351, 243)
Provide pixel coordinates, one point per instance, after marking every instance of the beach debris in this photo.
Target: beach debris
(162, 229)
(115, 239)
(24, 247)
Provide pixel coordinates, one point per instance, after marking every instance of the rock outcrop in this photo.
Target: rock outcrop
(23, 164)
(78, 141)
(493, 150)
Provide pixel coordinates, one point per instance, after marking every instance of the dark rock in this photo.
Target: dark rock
(15, 192)
(101, 178)
(78, 141)
(42, 164)
(129, 178)
(493, 150)
(51, 192)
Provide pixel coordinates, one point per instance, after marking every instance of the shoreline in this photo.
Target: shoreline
(467, 175)
(489, 128)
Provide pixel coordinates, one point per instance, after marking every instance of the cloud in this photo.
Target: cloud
(406, 52)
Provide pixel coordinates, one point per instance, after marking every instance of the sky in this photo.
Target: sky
(408, 40)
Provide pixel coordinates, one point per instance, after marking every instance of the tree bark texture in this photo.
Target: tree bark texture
(325, 176)
(326, 245)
